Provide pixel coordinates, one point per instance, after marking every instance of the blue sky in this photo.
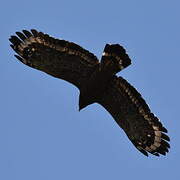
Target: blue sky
(42, 134)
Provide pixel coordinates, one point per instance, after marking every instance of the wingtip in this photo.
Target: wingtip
(27, 33)
(19, 58)
(34, 32)
(143, 151)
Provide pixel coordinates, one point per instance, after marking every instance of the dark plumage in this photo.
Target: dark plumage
(97, 82)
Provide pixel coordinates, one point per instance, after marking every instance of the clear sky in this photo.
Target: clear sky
(42, 134)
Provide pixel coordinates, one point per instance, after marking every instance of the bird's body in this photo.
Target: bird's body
(93, 88)
(97, 82)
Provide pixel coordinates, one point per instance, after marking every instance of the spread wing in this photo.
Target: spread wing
(133, 115)
(59, 58)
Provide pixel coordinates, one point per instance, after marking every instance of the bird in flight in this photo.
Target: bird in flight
(97, 82)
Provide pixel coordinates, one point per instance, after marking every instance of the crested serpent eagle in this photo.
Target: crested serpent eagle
(97, 82)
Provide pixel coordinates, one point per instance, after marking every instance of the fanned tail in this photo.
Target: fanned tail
(114, 58)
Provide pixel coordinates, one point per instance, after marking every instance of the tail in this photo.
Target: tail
(114, 58)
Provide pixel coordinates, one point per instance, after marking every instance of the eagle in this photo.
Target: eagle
(97, 82)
